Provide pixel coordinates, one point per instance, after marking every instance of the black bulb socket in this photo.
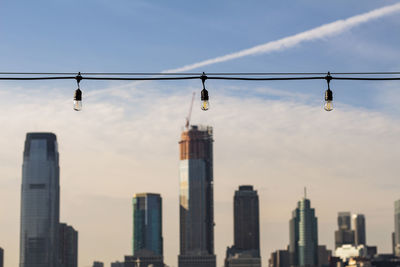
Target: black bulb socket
(204, 95)
(78, 95)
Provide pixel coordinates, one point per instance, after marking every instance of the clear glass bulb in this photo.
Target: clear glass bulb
(205, 105)
(77, 105)
(328, 105)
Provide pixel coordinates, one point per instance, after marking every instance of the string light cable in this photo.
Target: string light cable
(236, 76)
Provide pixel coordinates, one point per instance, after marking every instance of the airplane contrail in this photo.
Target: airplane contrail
(325, 30)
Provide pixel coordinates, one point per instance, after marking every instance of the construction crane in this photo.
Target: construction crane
(190, 112)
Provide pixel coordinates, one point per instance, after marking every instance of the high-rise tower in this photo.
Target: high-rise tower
(344, 235)
(360, 237)
(68, 246)
(196, 198)
(246, 249)
(40, 198)
(246, 219)
(147, 230)
(303, 247)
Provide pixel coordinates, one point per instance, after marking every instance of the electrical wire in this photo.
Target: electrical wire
(195, 73)
(200, 77)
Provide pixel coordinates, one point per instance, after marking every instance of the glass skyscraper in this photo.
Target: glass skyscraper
(40, 197)
(196, 198)
(147, 224)
(397, 227)
(303, 246)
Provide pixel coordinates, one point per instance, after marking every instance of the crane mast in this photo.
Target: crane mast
(190, 112)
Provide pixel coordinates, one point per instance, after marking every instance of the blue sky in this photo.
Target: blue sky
(274, 135)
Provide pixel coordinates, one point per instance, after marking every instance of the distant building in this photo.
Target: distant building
(279, 258)
(68, 246)
(359, 262)
(360, 237)
(147, 241)
(323, 256)
(40, 201)
(1, 257)
(144, 260)
(243, 259)
(397, 228)
(147, 223)
(385, 260)
(344, 235)
(246, 219)
(117, 264)
(246, 249)
(393, 243)
(346, 252)
(303, 246)
(98, 264)
(335, 262)
(196, 198)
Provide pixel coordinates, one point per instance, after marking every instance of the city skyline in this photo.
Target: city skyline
(273, 135)
(347, 215)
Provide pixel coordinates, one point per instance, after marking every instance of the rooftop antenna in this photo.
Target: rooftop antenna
(190, 112)
(305, 192)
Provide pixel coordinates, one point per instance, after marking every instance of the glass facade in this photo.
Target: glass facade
(196, 198)
(303, 245)
(40, 197)
(147, 224)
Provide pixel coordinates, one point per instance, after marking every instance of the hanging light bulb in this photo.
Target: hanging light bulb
(78, 94)
(328, 95)
(204, 94)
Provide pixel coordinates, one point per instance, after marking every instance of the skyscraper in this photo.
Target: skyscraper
(303, 246)
(344, 235)
(397, 227)
(40, 198)
(147, 228)
(246, 219)
(196, 198)
(98, 264)
(68, 246)
(360, 237)
(246, 249)
(1, 257)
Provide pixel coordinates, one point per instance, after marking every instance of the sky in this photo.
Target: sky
(272, 135)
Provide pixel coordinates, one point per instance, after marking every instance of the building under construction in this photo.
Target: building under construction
(196, 198)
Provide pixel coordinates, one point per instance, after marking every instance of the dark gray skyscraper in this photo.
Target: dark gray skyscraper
(147, 229)
(344, 235)
(196, 198)
(246, 249)
(40, 198)
(360, 237)
(68, 246)
(303, 246)
(397, 227)
(246, 219)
